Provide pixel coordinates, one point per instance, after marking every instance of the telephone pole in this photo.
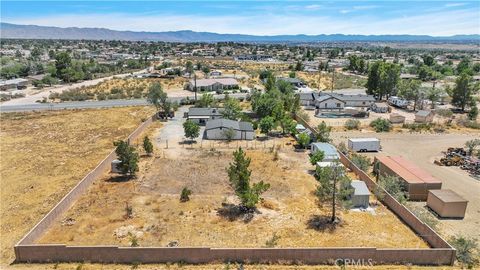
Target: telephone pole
(195, 87)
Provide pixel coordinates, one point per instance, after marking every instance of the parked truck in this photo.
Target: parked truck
(364, 144)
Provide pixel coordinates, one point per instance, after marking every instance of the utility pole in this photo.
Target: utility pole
(333, 78)
(195, 87)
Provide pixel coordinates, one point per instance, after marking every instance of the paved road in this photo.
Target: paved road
(91, 104)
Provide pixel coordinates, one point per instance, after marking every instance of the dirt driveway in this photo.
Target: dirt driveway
(423, 149)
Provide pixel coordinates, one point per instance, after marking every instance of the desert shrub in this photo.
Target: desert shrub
(273, 241)
(342, 147)
(468, 123)
(360, 161)
(185, 195)
(467, 251)
(394, 186)
(417, 127)
(444, 113)
(128, 211)
(381, 125)
(133, 240)
(351, 124)
(425, 217)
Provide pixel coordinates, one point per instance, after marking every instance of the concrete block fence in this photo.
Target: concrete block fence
(26, 250)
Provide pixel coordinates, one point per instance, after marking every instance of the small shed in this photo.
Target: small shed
(115, 166)
(396, 118)
(446, 203)
(380, 107)
(424, 116)
(329, 150)
(361, 194)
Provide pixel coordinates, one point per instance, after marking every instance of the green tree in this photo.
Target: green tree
(158, 98)
(464, 66)
(334, 187)
(462, 92)
(287, 124)
(191, 129)
(362, 162)
(128, 157)
(323, 132)
(318, 156)
(231, 109)
(410, 90)
(434, 94)
(267, 124)
(228, 134)
(189, 68)
(381, 125)
(207, 100)
(303, 140)
(239, 176)
(63, 62)
(147, 145)
(473, 113)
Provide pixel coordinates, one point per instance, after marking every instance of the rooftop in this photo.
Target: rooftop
(360, 188)
(226, 123)
(447, 195)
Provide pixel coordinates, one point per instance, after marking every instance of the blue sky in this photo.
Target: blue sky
(439, 18)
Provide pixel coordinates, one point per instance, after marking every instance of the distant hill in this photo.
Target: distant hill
(8, 30)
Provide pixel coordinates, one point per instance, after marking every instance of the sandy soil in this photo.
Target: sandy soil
(59, 89)
(207, 219)
(423, 149)
(43, 155)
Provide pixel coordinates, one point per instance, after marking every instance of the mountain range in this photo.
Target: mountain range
(16, 31)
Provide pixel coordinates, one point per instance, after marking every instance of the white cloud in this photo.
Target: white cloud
(439, 23)
(454, 5)
(313, 7)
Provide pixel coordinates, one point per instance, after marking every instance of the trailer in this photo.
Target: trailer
(397, 102)
(364, 144)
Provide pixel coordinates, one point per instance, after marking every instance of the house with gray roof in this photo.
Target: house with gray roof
(335, 101)
(202, 115)
(214, 84)
(221, 129)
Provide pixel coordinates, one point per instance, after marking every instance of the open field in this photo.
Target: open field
(422, 149)
(209, 218)
(43, 155)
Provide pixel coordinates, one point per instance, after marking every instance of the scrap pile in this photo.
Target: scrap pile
(459, 157)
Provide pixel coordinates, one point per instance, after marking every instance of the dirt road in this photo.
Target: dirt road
(59, 89)
(422, 149)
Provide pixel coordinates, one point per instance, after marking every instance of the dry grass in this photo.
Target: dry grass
(205, 220)
(43, 155)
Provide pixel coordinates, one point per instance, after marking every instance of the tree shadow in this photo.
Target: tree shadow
(233, 212)
(323, 223)
(119, 179)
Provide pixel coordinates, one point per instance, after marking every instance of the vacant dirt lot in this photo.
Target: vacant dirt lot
(422, 149)
(209, 219)
(43, 155)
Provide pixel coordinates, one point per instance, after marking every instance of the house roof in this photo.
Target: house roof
(209, 82)
(447, 195)
(205, 112)
(328, 149)
(358, 97)
(226, 123)
(360, 188)
(13, 81)
(407, 170)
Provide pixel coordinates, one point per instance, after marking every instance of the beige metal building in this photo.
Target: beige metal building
(446, 203)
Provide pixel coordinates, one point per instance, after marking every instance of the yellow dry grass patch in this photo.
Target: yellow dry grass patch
(160, 218)
(44, 154)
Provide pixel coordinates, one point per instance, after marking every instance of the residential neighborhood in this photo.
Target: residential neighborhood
(239, 135)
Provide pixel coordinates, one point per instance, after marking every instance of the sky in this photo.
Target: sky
(436, 18)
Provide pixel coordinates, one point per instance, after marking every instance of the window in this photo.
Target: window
(325, 105)
(338, 105)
